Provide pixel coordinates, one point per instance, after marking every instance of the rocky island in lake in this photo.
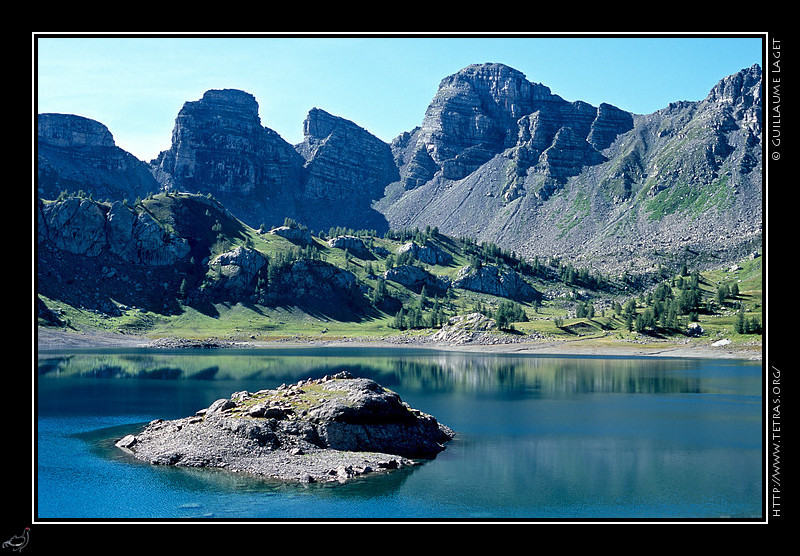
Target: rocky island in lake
(330, 429)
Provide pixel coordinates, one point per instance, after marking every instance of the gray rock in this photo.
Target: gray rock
(346, 163)
(294, 234)
(415, 278)
(495, 280)
(430, 253)
(464, 329)
(353, 244)
(85, 227)
(348, 427)
(235, 270)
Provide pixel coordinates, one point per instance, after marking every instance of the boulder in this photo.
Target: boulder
(694, 329)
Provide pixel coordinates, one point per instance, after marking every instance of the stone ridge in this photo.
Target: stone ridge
(69, 130)
(329, 429)
(344, 162)
(598, 186)
(496, 157)
(485, 109)
(79, 154)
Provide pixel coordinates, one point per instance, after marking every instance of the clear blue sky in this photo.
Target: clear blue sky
(137, 85)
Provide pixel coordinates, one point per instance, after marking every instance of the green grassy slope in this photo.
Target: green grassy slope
(576, 303)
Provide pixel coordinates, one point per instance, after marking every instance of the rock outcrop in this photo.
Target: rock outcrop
(495, 280)
(220, 147)
(79, 154)
(466, 329)
(326, 430)
(85, 227)
(352, 244)
(430, 253)
(295, 234)
(235, 271)
(416, 278)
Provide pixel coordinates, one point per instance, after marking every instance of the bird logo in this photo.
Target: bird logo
(18, 542)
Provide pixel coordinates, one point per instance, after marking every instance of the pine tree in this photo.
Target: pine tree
(740, 326)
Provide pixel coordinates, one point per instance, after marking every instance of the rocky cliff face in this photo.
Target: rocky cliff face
(495, 280)
(496, 157)
(486, 109)
(75, 153)
(85, 227)
(345, 163)
(219, 146)
(583, 183)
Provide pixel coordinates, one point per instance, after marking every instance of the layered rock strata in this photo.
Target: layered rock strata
(79, 154)
(485, 109)
(331, 429)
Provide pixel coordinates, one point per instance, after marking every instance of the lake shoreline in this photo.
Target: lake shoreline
(50, 340)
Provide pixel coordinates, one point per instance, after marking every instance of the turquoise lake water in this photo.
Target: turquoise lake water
(538, 437)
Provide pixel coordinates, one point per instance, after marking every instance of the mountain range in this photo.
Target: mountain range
(497, 158)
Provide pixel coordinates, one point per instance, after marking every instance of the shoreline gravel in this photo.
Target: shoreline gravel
(53, 340)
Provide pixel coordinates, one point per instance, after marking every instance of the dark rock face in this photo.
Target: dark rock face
(595, 185)
(485, 109)
(219, 146)
(345, 162)
(320, 287)
(75, 153)
(330, 429)
(496, 157)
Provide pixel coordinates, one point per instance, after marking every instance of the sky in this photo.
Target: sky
(136, 85)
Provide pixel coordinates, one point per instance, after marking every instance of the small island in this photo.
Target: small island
(325, 430)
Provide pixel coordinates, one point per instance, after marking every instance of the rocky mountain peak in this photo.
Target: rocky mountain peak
(231, 101)
(69, 130)
(220, 147)
(344, 162)
(484, 109)
(736, 100)
(473, 116)
(75, 153)
(499, 88)
(743, 87)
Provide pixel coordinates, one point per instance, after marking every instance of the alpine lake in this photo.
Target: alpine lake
(538, 437)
